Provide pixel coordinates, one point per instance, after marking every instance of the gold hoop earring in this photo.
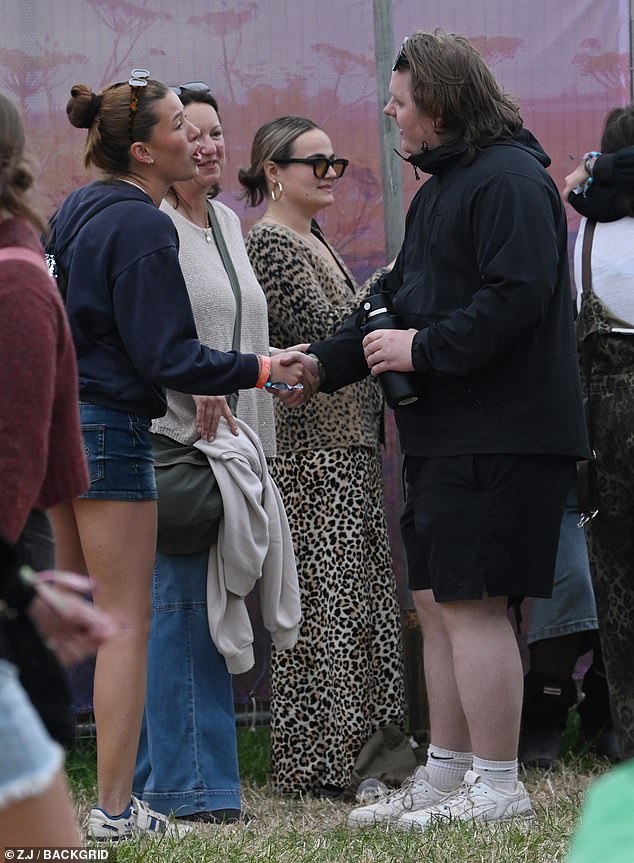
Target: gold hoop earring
(277, 190)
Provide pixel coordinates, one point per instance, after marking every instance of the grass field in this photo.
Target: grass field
(315, 831)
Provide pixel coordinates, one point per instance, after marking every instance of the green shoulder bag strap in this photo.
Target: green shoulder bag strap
(227, 263)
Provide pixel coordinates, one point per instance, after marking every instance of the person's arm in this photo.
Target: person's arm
(155, 320)
(594, 187)
(615, 168)
(340, 360)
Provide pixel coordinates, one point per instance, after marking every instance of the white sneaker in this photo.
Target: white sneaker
(473, 801)
(138, 819)
(414, 794)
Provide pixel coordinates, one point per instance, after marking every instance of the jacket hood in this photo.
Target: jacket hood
(80, 207)
(437, 160)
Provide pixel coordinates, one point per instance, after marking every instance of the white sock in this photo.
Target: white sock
(499, 774)
(446, 768)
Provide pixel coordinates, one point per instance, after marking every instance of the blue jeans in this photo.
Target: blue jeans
(188, 759)
(572, 607)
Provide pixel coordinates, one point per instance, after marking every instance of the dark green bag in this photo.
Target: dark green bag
(189, 500)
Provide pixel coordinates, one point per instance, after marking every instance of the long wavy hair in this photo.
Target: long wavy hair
(450, 80)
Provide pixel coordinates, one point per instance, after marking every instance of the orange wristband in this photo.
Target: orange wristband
(265, 372)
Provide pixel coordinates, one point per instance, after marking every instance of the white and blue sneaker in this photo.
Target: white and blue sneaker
(137, 820)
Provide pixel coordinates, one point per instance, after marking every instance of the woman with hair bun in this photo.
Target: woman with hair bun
(116, 255)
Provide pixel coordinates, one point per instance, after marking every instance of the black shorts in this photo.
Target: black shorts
(476, 525)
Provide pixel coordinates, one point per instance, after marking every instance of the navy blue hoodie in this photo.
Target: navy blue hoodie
(128, 306)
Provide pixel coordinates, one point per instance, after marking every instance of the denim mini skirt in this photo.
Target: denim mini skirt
(29, 758)
(119, 454)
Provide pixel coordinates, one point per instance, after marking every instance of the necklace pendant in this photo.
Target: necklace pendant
(207, 233)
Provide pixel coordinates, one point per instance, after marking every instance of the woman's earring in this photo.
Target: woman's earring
(276, 191)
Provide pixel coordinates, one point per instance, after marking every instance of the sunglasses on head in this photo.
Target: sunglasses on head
(320, 165)
(401, 58)
(193, 87)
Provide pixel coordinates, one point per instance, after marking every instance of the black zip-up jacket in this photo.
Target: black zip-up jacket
(483, 277)
(128, 305)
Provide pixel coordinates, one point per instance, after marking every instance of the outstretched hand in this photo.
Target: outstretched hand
(310, 380)
(70, 624)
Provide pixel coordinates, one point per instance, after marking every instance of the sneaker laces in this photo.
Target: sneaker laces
(404, 794)
(461, 799)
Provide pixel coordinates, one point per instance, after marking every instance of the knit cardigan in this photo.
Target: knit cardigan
(213, 304)
(42, 459)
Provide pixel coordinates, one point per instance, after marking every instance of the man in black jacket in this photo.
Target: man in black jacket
(481, 288)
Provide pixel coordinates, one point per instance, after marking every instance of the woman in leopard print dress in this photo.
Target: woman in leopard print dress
(344, 678)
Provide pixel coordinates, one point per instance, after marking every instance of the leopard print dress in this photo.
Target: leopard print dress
(344, 678)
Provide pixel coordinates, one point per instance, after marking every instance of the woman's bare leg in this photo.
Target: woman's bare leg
(116, 541)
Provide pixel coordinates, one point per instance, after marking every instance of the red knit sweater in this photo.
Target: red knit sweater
(42, 459)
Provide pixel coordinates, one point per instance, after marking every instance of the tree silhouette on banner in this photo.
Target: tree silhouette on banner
(128, 22)
(609, 68)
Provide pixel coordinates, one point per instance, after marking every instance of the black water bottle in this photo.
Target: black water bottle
(399, 387)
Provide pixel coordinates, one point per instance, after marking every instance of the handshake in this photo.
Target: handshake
(294, 375)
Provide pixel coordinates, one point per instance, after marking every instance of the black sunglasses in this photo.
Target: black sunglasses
(193, 87)
(320, 165)
(401, 58)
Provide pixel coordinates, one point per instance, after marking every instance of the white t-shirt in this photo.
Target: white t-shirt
(612, 269)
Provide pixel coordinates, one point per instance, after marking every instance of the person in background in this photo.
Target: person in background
(36, 808)
(41, 463)
(116, 255)
(490, 444)
(344, 678)
(596, 184)
(188, 762)
(606, 322)
(559, 631)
